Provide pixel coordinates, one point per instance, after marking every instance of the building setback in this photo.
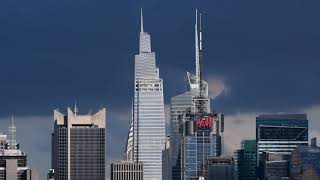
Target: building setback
(78, 145)
(126, 170)
(148, 112)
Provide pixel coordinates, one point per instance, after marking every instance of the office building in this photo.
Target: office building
(166, 160)
(220, 168)
(13, 162)
(182, 103)
(281, 133)
(146, 137)
(126, 170)
(274, 166)
(246, 160)
(200, 139)
(305, 162)
(78, 145)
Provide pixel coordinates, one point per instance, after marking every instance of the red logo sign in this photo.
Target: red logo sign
(205, 122)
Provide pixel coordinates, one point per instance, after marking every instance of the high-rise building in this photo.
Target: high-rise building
(13, 162)
(200, 139)
(166, 161)
(220, 168)
(78, 145)
(246, 160)
(182, 103)
(305, 162)
(281, 133)
(126, 170)
(146, 138)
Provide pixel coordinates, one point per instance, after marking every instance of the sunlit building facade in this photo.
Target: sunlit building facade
(148, 111)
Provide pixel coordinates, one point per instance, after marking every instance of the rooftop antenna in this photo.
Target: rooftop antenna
(197, 51)
(12, 135)
(141, 21)
(76, 110)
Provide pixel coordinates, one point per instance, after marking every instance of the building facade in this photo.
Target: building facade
(274, 166)
(126, 170)
(220, 168)
(200, 139)
(305, 163)
(246, 160)
(78, 145)
(166, 161)
(13, 162)
(148, 111)
(281, 133)
(183, 103)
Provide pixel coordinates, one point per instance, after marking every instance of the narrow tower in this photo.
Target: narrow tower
(148, 110)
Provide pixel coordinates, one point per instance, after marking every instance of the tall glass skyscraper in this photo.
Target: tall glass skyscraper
(182, 103)
(78, 145)
(148, 111)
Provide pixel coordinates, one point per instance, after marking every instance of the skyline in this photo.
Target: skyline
(224, 75)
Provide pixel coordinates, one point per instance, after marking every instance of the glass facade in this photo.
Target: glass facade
(180, 104)
(246, 160)
(281, 133)
(78, 149)
(196, 149)
(305, 163)
(148, 111)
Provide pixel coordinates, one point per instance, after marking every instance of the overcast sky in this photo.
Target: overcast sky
(259, 57)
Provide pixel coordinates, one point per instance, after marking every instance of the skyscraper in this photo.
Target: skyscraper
(182, 103)
(78, 145)
(148, 111)
(13, 162)
(199, 129)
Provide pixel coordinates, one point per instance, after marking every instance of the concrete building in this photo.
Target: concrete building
(146, 137)
(78, 145)
(126, 170)
(220, 168)
(246, 160)
(305, 162)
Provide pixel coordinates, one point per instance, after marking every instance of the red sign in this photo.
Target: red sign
(204, 122)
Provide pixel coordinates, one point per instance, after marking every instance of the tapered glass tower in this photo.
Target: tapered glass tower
(148, 110)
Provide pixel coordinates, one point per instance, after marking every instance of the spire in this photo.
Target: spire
(200, 57)
(76, 110)
(197, 50)
(141, 21)
(12, 135)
